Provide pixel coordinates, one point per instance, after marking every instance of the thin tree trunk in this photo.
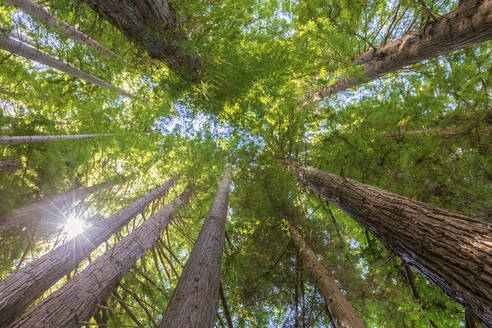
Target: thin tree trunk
(27, 140)
(449, 132)
(78, 299)
(21, 288)
(341, 311)
(195, 298)
(451, 250)
(154, 26)
(467, 25)
(38, 12)
(9, 166)
(227, 314)
(34, 211)
(20, 49)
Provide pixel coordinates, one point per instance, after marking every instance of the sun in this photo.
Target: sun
(73, 226)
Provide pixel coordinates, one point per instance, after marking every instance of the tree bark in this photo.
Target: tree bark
(27, 140)
(341, 311)
(154, 26)
(22, 287)
(447, 133)
(38, 12)
(20, 49)
(225, 307)
(195, 299)
(77, 300)
(451, 250)
(9, 166)
(467, 25)
(46, 207)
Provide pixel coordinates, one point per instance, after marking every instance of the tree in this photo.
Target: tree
(20, 49)
(77, 301)
(9, 166)
(342, 312)
(22, 287)
(451, 250)
(467, 25)
(33, 211)
(38, 12)
(27, 140)
(196, 296)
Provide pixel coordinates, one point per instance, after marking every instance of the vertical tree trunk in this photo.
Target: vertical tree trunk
(9, 166)
(22, 287)
(223, 300)
(154, 26)
(195, 299)
(451, 250)
(27, 140)
(341, 311)
(45, 207)
(77, 300)
(20, 49)
(467, 25)
(38, 12)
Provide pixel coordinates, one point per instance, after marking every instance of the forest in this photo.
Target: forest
(246, 163)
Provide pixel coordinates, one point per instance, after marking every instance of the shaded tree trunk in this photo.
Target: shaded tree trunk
(22, 287)
(46, 207)
(449, 132)
(341, 311)
(38, 12)
(9, 166)
(77, 300)
(467, 25)
(223, 300)
(27, 140)
(451, 250)
(196, 296)
(154, 26)
(20, 49)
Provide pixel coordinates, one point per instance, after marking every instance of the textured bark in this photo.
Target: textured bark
(154, 26)
(22, 287)
(27, 140)
(77, 300)
(448, 132)
(38, 12)
(467, 25)
(46, 207)
(9, 166)
(341, 311)
(195, 298)
(20, 49)
(451, 250)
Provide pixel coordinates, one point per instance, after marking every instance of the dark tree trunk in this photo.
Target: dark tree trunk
(341, 311)
(77, 300)
(45, 207)
(22, 287)
(225, 307)
(467, 25)
(27, 140)
(451, 250)
(9, 166)
(195, 299)
(154, 26)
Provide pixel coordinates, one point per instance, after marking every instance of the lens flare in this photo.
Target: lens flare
(73, 227)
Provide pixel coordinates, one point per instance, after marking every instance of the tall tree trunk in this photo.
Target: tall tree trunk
(27, 140)
(9, 166)
(195, 299)
(38, 12)
(341, 311)
(154, 26)
(45, 207)
(225, 307)
(22, 287)
(447, 133)
(20, 49)
(451, 250)
(77, 300)
(467, 25)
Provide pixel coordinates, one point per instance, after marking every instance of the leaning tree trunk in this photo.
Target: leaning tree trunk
(38, 12)
(22, 287)
(341, 311)
(451, 250)
(78, 299)
(20, 49)
(154, 26)
(9, 166)
(195, 298)
(467, 25)
(33, 211)
(27, 140)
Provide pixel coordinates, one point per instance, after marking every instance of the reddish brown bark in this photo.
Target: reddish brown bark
(195, 299)
(22, 287)
(77, 300)
(451, 250)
